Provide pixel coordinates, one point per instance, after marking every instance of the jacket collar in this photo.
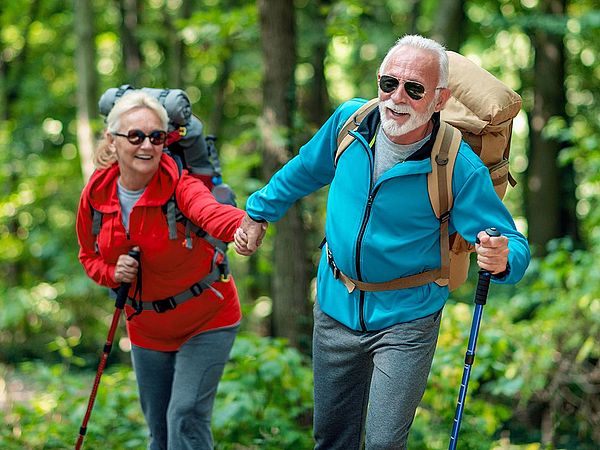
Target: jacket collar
(368, 127)
(103, 186)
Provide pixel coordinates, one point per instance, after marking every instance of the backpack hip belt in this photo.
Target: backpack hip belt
(410, 281)
(169, 303)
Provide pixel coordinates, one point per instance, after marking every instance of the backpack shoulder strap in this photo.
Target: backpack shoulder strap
(344, 138)
(439, 186)
(170, 209)
(96, 225)
(443, 157)
(173, 215)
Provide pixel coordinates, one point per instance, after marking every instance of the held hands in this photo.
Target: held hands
(249, 236)
(126, 269)
(492, 252)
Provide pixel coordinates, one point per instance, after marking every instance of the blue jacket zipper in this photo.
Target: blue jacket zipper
(361, 234)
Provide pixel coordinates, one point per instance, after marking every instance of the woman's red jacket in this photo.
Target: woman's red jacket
(168, 267)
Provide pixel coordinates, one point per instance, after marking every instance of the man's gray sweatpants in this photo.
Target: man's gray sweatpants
(177, 389)
(368, 384)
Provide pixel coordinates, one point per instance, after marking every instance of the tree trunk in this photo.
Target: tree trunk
(448, 26)
(86, 84)
(315, 105)
(3, 86)
(547, 427)
(221, 85)
(290, 281)
(12, 77)
(550, 197)
(175, 51)
(132, 56)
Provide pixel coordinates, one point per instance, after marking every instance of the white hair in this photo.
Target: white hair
(104, 154)
(423, 43)
(135, 100)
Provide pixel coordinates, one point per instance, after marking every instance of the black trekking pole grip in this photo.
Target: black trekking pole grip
(124, 288)
(483, 285)
(481, 293)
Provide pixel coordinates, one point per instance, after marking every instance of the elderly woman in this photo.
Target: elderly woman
(184, 327)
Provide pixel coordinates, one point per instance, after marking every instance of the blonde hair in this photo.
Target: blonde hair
(423, 43)
(104, 155)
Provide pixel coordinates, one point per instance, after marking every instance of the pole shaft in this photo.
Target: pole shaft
(480, 299)
(119, 305)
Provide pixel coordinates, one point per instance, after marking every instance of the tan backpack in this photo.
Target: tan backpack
(482, 108)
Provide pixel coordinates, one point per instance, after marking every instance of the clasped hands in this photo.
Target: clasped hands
(249, 236)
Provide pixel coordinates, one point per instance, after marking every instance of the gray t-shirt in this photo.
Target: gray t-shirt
(127, 199)
(388, 153)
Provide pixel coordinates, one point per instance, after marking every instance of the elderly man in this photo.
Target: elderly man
(372, 350)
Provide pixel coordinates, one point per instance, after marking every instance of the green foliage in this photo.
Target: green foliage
(265, 397)
(555, 327)
(52, 417)
(537, 355)
(264, 401)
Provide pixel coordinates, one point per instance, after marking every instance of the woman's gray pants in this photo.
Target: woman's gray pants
(177, 389)
(368, 384)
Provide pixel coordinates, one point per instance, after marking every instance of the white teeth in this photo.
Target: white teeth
(144, 157)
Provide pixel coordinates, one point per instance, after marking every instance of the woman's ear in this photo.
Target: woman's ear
(109, 136)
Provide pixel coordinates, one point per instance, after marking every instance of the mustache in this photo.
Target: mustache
(402, 109)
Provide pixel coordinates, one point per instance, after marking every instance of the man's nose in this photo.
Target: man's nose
(399, 94)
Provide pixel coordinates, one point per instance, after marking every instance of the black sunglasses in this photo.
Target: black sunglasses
(136, 137)
(389, 84)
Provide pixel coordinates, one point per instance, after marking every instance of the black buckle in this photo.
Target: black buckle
(332, 264)
(167, 304)
(196, 289)
(441, 161)
(224, 274)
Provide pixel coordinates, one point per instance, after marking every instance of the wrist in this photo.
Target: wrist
(256, 219)
(503, 274)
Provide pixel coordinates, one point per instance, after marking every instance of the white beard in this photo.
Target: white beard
(393, 128)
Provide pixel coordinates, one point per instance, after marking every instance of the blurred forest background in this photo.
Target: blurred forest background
(263, 75)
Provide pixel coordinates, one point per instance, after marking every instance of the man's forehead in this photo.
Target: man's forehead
(413, 60)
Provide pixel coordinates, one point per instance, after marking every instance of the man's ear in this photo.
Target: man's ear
(443, 97)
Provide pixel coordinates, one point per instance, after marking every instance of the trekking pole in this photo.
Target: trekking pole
(481, 294)
(119, 305)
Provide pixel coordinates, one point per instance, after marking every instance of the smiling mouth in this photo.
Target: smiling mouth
(397, 113)
(144, 157)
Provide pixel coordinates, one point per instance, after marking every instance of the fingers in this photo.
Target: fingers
(126, 269)
(492, 252)
(249, 236)
(240, 240)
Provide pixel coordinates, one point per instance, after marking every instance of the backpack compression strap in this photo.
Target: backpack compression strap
(439, 181)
